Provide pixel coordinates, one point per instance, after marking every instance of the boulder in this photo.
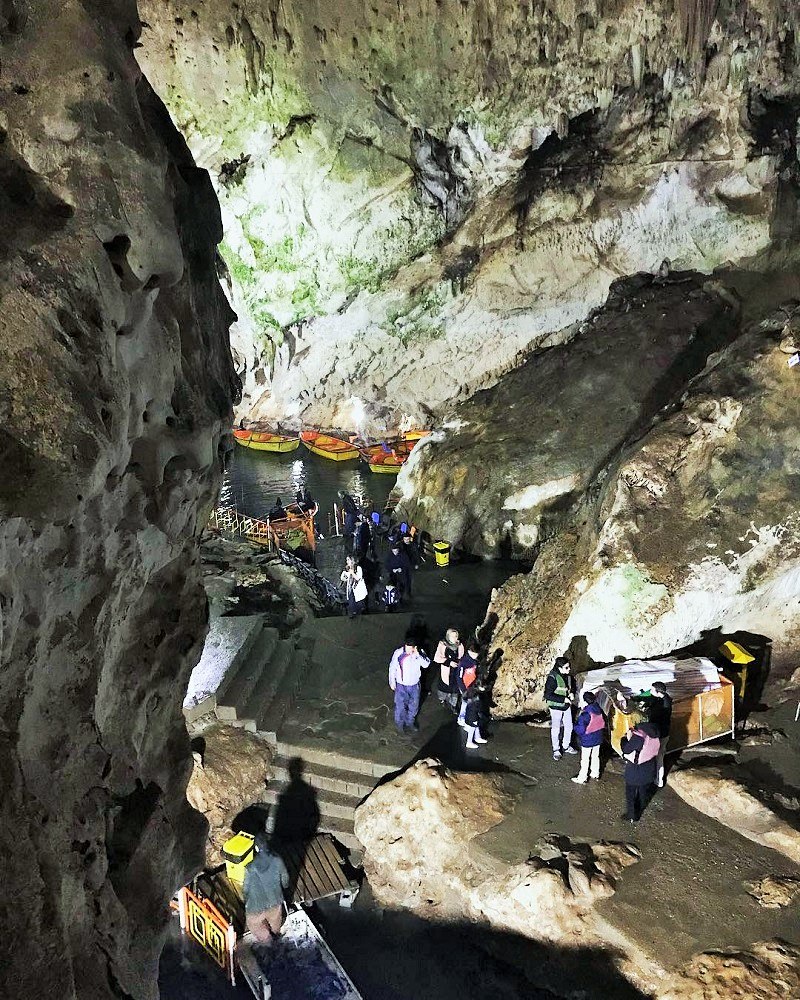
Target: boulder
(423, 851)
(770, 971)
(231, 770)
(775, 891)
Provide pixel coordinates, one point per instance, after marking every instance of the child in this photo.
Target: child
(474, 717)
(590, 727)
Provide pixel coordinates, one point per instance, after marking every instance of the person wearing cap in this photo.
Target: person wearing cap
(660, 715)
(559, 696)
(448, 653)
(265, 883)
(405, 680)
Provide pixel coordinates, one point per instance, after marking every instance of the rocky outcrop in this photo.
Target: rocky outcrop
(775, 891)
(423, 851)
(518, 455)
(719, 794)
(415, 200)
(116, 386)
(690, 527)
(771, 971)
(231, 771)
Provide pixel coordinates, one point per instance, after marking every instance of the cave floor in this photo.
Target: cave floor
(688, 892)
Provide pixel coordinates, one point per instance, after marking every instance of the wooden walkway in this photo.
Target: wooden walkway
(315, 870)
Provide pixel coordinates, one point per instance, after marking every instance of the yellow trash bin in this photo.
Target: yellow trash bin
(238, 853)
(441, 551)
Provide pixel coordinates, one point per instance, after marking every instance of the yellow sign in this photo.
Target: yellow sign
(201, 920)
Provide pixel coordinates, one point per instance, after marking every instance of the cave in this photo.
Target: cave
(562, 238)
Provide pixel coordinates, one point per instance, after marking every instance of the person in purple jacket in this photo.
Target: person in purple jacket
(589, 728)
(405, 675)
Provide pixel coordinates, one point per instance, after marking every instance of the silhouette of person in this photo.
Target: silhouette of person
(297, 810)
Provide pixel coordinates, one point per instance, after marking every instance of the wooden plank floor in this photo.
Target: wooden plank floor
(315, 870)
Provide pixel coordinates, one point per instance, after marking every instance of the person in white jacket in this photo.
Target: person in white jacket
(353, 579)
(405, 674)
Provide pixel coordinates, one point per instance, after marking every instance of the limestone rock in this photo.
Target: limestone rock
(717, 794)
(771, 971)
(410, 212)
(422, 851)
(231, 774)
(775, 891)
(116, 386)
(690, 527)
(527, 448)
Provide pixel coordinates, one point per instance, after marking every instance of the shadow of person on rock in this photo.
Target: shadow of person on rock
(297, 812)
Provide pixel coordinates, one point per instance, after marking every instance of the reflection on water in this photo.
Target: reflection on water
(254, 480)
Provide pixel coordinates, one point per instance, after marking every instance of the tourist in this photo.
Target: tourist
(399, 569)
(412, 550)
(278, 512)
(304, 500)
(474, 717)
(362, 538)
(559, 695)
(350, 511)
(448, 653)
(660, 714)
(405, 676)
(466, 677)
(265, 881)
(356, 589)
(589, 728)
(639, 747)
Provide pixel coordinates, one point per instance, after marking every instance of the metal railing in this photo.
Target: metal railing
(231, 520)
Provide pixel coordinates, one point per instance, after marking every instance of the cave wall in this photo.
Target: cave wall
(434, 190)
(116, 387)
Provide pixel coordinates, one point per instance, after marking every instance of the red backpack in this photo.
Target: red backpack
(650, 747)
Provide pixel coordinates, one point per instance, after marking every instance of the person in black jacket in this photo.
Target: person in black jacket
(559, 696)
(660, 715)
(399, 569)
(640, 750)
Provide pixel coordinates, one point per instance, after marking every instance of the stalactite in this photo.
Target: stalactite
(695, 18)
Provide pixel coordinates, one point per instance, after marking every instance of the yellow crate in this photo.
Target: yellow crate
(238, 853)
(441, 550)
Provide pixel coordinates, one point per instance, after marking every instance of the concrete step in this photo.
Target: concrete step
(248, 675)
(271, 676)
(241, 656)
(273, 709)
(328, 779)
(341, 828)
(331, 804)
(335, 760)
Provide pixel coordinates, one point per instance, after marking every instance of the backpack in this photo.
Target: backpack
(649, 751)
(596, 723)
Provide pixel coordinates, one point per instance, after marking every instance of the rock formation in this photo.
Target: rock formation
(771, 971)
(230, 774)
(116, 387)
(416, 198)
(721, 794)
(423, 851)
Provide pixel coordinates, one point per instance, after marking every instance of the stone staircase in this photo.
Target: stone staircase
(262, 684)
(340, 782)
